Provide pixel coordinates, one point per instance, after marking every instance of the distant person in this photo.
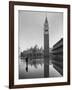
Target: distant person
(26, 64)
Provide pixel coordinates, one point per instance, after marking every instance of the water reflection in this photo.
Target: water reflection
(31, 68)
(46, 67)
(36, 68)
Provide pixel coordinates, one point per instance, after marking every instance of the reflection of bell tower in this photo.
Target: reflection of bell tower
(46, 48)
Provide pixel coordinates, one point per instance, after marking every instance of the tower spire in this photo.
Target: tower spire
(46, 21)
(46, 27)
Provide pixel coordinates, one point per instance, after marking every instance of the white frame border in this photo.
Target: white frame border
(39, 80)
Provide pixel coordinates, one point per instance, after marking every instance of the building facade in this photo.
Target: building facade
(57, 56)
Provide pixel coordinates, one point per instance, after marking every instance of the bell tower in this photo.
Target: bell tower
(46, 48)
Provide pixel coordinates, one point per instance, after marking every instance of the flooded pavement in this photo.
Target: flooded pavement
(35, 69)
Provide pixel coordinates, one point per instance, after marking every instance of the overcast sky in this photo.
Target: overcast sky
(31, 28)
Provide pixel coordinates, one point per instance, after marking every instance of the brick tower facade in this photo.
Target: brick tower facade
(46, 48)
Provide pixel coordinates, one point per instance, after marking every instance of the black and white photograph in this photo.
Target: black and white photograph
(39, 47)
(40, 44)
